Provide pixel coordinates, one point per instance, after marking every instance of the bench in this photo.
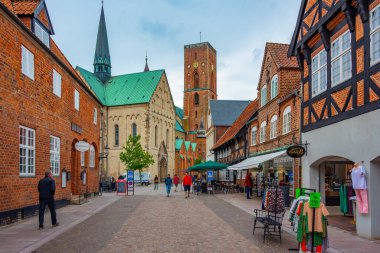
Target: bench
(271, 222)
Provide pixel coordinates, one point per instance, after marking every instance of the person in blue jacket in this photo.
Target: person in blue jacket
(168, 184)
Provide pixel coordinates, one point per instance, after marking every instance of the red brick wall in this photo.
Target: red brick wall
(31, 103)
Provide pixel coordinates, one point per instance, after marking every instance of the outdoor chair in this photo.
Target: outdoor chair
(271, 222)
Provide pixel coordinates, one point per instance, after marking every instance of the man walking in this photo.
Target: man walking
(187, 184)
(175, 181)
(46, 189)
(248, 184)
(168, 184)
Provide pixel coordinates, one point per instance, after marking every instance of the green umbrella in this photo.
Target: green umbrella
(209, 165)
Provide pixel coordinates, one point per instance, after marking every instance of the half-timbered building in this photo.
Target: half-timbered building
(337, 44)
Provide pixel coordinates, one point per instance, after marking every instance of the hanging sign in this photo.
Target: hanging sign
(210, 175)
(82, 146)
(315, 199)
(296, 151)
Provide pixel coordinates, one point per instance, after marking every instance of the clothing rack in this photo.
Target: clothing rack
(346, 181)
(307, 191)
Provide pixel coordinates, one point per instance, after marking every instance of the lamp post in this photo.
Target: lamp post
(104, 155)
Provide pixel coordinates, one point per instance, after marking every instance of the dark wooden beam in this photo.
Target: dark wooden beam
(307, 53)
(347, 100)
(349, 12)
(325, 36)
(300, 59)
(363, 10)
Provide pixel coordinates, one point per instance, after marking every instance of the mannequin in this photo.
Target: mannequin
(359, 184)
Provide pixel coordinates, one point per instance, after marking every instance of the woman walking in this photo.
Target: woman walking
(156, 182)
(168, 183)
(175, 181)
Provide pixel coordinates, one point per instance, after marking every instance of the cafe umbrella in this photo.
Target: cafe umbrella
(209, 165)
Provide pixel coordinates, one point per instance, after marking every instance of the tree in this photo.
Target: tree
(198, 161)
(134, 157)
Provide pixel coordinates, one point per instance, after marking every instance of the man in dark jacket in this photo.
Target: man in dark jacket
(46, 188)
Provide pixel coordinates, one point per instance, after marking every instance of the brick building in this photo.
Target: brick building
(45, 109)
(337, 44)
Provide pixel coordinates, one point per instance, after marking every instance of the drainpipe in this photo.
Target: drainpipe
(107, 143)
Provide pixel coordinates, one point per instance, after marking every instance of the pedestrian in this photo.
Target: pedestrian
(46, 189)
(156, 182)
(175, 181)
(168, 184)
(187, 181)
(248, 184)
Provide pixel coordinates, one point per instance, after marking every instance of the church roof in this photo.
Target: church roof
(136, 88)
(225, 112)
(179, 112)
(194, 146)
(102, 52)
(179, 127)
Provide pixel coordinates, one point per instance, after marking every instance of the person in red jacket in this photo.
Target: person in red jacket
(175, 182)
(248, 184)
(187, 181)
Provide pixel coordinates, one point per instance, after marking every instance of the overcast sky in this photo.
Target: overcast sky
(237, 29)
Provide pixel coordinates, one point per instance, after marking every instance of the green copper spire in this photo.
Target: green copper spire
(102, 60)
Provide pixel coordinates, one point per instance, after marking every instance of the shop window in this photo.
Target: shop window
(274, 87)
(319, 73)
(287, 120)
(341, 59)
(375, 35)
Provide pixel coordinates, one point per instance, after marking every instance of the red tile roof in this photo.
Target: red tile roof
(8, 4)
(239, 123)
(25, 7)
(279, 53)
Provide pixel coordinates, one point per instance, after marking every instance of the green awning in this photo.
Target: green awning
(209, 165)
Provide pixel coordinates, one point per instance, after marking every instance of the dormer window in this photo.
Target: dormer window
(41, 33)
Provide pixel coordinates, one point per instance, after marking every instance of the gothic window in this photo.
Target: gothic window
(134, 130)
(287, 120)
(116, 135)
(273, 127)
(196, 99)
(156, 136)
(196, 126)
(167, 138)
(263, 95)
(196, 114)
(196, 80)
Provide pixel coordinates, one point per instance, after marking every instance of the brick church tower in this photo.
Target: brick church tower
(200, 87)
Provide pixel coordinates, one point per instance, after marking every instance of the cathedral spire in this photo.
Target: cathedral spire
(146, 63)
(102, 59)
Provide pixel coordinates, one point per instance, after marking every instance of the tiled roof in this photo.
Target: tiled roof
(136, 88)
(178, 127)
(8, 4)
(25, 7)
(279, 53)
(225, 112)
(178, 144)
(239, 123)
(179, 112)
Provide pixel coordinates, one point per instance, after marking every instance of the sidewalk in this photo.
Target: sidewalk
(340, 240)
(24, 236)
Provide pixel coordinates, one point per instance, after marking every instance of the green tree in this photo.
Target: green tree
(134, 157)
(198, 161)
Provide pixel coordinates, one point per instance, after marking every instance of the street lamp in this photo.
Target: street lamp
(104, 155)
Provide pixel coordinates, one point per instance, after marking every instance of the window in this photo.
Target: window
(274, 87)
(156, 136)
(319, 73)
(76, 100)
(41, 33)
(134, 130)
(375, 35)
(273, 127)
(116, 135)
(82, 159)
(196, 99)
(262, 131)
(95, 116)
(56, 83)
(167, 138)
(27, 151)
(253, 136)
(55, 155)
(92, 156)
(263, 95)
(196, 80)
(27, 62)
(341, 59)
(287, 120)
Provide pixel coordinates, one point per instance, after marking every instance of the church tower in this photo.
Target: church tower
(200, 87)
(102, 59)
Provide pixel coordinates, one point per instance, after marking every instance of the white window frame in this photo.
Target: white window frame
(82, 159)
(92, 156)
(274, 87)
(339, 58)
(253, 135)
(373, 31)
(27, 146)
(263, 96)
(41, 33)
(273, 127)
(287, 120)
(76, 100)
(262, 131)
(55, 150)
(27, 62)
(95, 116)
(57, 83)
(318, 72)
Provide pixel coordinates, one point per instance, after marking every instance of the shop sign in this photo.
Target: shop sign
(210, 175)
(296, 151)
(82, 146)
(315, 199)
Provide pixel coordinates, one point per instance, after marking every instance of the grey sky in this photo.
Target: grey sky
(237, 29)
